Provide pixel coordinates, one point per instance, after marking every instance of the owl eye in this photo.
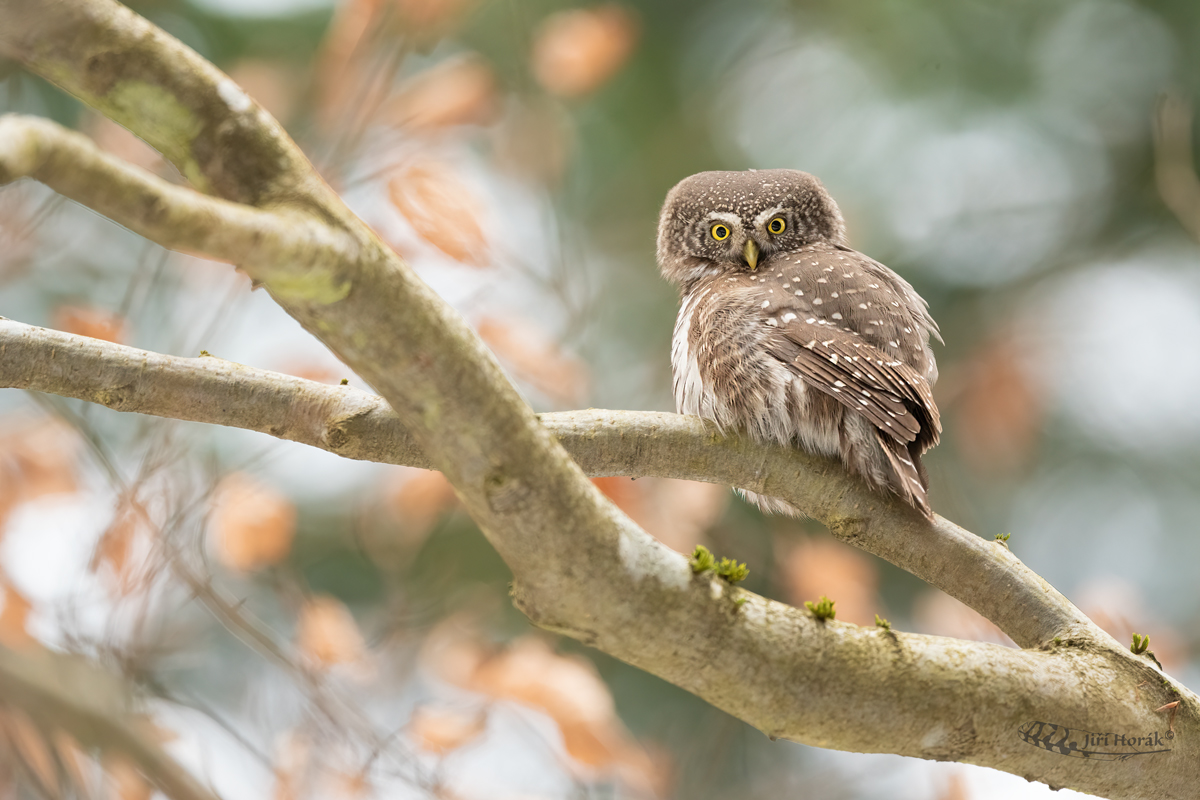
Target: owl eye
(719, 232)
(776, 225)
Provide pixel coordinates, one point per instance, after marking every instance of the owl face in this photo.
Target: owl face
(717, 222)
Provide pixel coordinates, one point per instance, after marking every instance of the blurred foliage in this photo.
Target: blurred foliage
(1000, 156)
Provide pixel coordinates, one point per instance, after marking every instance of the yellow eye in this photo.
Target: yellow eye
(776, 225)
(720, 232)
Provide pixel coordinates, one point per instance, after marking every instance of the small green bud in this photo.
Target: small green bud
(732, 571)
(702, 560)
(822, 609)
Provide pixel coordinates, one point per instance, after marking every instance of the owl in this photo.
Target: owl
(788, 335)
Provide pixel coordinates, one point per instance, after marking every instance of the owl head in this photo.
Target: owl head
(716, 222)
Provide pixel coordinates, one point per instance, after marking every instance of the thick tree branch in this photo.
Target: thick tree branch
(517, 483)
(580, 566)
(67, 693)
(173, 216)
(354, 424)
(157, 87)
(792, 676)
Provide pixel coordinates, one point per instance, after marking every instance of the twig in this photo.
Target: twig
(358, 425)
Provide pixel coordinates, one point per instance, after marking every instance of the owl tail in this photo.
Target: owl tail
(907, 478)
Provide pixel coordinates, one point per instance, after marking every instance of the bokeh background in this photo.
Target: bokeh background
(303, 626)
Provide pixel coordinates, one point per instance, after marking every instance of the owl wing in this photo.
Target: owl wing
(891, 394)
(913, 301)
(856, 331)
(893, 397)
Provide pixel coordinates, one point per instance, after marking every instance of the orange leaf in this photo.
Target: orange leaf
(91, 322)
(625, 493)
(679, 513)
(417, 498)
(816, 566)
(955, 788)
(126, 780)
(459, 91)
(440, 730)
(567, 688)
(252, 524)
(327, 633)
(116, 546)
(343, 785)
(648, 770)
(120, 142)
(292, 766)
(31, 747)
(424, 15)
(574, 52)
(536, 359)
(151, 730)
(37, 457)
(999, 409)
(272, 84)
(441, 210)
(341, 67)
(454, 650)
(316, 372)
(14, 619)
(77, 767)
(940, 614)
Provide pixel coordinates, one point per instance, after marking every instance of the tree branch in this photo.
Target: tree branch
(173, 216)
(518, 484)
(775, 666)
(580, 566)
(222, 141)
(354, 424)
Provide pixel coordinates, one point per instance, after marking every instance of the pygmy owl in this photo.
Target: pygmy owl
(788, 335)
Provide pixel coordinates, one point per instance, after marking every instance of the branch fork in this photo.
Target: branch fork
(580, 566)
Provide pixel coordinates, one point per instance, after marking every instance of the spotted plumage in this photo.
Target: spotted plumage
(787, 334)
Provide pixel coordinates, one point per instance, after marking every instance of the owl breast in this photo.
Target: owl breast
(685, 369)
(724, 372)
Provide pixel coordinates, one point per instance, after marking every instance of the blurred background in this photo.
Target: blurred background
(303, 626)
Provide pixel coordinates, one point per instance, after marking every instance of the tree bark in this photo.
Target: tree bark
(580, 566)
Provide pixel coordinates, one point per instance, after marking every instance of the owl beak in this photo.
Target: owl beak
(750, 253)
